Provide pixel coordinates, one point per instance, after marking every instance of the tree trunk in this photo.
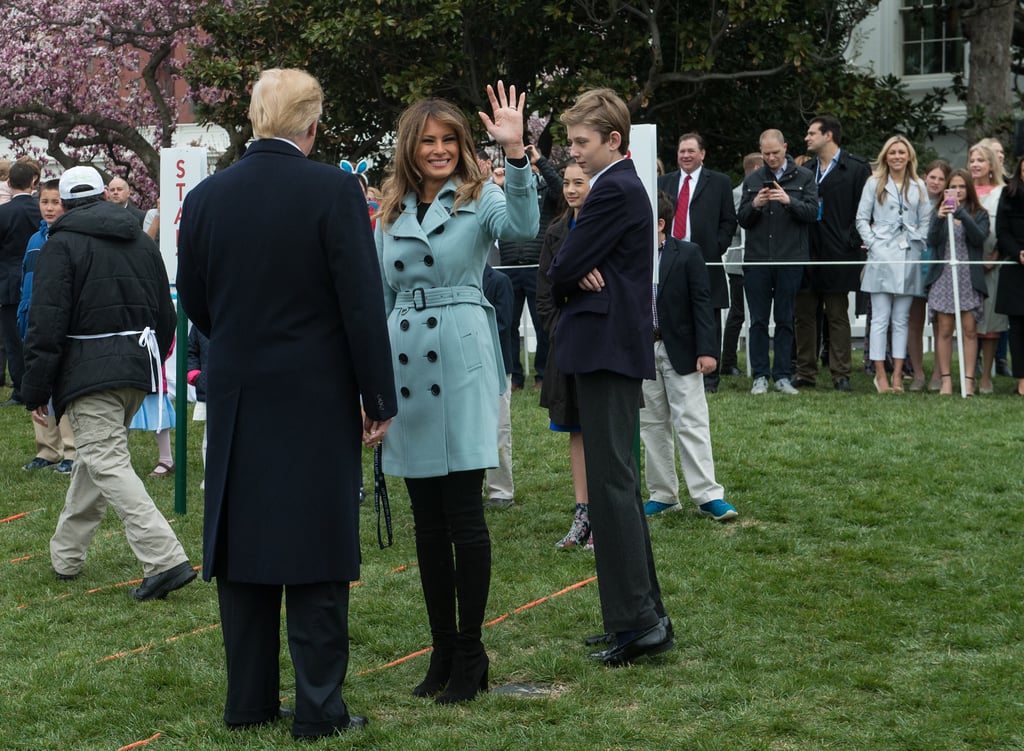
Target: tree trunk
(989, 28)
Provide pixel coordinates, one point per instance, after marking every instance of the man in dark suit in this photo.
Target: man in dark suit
(287, 287)
(840, 177)
(19, 220)
(706, 215)
(674, 402)
(602, 276)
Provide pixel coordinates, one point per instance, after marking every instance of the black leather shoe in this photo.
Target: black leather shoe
(803, 383)
(158, 586)
(652, 641)
(731, 371)
(283, 713)
(354, 722)
(1003, 368)
(608, 638)
(64, 577)
(843, 384)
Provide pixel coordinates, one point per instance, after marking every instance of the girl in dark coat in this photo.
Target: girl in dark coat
(558, 391)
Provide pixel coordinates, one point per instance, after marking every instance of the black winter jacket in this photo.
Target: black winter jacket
(198, 353)
(776, 232)
(549, 191)
(98, 274)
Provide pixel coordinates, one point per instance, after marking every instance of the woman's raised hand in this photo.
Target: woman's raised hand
(506, 122)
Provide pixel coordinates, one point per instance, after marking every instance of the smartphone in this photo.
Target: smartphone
(769, 185)
(949, 198)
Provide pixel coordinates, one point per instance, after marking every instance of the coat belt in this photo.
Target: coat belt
(421, 298)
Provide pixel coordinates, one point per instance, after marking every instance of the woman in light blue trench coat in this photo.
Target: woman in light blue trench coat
(437, 221)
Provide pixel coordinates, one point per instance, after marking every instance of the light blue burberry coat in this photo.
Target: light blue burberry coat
(444, 339)
(893, 232)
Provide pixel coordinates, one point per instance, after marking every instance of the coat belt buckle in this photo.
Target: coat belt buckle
(419, 303)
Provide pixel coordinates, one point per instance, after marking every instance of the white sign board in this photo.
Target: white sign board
(643, 150)
(180, 171)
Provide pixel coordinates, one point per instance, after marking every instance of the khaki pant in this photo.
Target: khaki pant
(55, 441)
(103, 474)
(675, 416)
(499, 481)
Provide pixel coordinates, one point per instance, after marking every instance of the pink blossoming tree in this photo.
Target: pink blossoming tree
(95, 79)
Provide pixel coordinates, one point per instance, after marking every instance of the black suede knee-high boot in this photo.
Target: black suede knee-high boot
(437, 576)
(473, 581)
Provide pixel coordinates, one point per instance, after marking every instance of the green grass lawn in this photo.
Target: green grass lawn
(868, 597)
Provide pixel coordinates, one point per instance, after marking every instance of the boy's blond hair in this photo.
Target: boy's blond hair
(604, 112)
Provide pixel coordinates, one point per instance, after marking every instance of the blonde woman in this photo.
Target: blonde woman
(892, 220)
(986, 170)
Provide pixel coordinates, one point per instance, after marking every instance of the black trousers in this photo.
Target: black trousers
(1017, 345)
(12, 344)
(627, 582)
(524, 285)
(317, 625)
(733, 322)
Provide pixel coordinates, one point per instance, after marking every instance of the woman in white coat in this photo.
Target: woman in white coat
(437, 221)
(892, 220)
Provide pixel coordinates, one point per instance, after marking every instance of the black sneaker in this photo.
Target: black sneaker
(39, 463)
(64, 467)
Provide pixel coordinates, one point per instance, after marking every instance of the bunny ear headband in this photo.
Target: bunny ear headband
(358, 169)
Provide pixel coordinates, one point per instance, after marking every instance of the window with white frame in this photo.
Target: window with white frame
(933, 41)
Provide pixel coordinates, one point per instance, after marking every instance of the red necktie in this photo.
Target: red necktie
(682, 206)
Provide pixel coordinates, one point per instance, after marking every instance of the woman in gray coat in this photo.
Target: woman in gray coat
(892, 219)
(437, 222)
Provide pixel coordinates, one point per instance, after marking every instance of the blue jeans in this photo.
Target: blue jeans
(768, 287)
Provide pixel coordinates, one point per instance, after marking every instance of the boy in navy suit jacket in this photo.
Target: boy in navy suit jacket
(602, 276)
(685, 350)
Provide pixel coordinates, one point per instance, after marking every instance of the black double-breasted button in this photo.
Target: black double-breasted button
(403, 358)
(432, 356)
(404, 391)
(399, 265)
(435, 390)
(431, 322)
(428, 260)
(404, 325)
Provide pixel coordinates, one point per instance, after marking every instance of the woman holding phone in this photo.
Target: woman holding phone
(970, 228)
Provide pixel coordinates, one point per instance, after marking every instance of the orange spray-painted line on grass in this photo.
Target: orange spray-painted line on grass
(139, 744)
(17, 560)
(493, 622)
(15, 517)
(168, 640)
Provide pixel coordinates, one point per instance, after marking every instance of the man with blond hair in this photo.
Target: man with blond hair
(602, 274)
(287, 287)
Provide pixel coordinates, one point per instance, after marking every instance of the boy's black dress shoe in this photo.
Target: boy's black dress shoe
(652, 641)
(158, 586)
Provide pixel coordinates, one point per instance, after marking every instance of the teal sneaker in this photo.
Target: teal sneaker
(652, 508)
(718, 510)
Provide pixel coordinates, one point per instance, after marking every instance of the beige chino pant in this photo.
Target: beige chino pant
(103, 474)
(676, 404)
(54, 441)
